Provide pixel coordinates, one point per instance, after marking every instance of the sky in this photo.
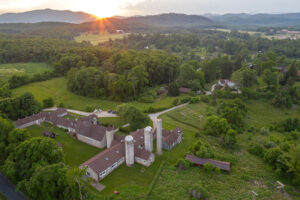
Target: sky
(107, 8)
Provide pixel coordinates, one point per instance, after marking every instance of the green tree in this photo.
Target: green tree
(229, 139)
(135, 117)
(270, 78)
(54, 182)
(215, 126)
(30, 155)
(48, 103)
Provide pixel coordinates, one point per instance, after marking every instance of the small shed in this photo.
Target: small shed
(184, 90)
(49, 134)
(225, 166)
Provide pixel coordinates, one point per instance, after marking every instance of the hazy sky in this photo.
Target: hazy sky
(143, 7)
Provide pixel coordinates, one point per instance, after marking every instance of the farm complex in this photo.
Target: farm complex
(137, 147)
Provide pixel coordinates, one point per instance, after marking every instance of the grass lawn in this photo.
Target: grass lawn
(57, 89)
(76, 152)
(7, 70)
(95, 39)
(113, 121)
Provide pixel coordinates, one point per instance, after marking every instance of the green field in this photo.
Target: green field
(57, 89)
(95, 39)
(7, 70)
(76, 152)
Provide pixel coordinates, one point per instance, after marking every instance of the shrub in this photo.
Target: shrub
(89, 108)
(175, 102)
(208, 167)
(217, 170)
(182, 162)
(195, 100)
(229, 138)
(264, 131)
(48, 103)
(257, 150)
(204, 99)
(198, 187)
(185, 100)
(61, 105)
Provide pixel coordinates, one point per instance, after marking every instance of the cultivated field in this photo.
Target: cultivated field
(7, 70)
(95, 39)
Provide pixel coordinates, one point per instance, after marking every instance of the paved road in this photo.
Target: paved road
(8, 189)
(99, 114)
(154, 116)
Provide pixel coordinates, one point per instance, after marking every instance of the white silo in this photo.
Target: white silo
(129, 149)
(159, 136)
(148, 138)
(109, 137)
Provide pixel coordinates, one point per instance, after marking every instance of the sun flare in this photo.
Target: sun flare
(102, 9)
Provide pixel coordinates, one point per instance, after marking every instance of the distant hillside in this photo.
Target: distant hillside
(47, 15)
(274, 20)
(172, 20)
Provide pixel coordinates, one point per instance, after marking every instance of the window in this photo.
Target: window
(102, 173)
(88, 173)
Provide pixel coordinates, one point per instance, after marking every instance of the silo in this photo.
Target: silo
(148, 138)
(109, 137)
(159, 136)
(129, 149)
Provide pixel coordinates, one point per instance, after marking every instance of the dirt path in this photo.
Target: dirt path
(154, 116)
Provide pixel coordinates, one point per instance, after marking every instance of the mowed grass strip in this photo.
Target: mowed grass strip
(76, 152)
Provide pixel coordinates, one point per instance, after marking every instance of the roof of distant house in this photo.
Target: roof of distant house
(201, 161)
(184, 90)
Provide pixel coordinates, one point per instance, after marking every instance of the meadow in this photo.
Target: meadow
(57, 89)
(247, 173)
(95, 39)
(7, 70)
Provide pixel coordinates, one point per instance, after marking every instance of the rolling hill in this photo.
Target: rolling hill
(47, 15)
(270, 20)
(172, 20)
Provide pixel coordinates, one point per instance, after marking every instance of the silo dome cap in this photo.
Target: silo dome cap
(128, 138)
(148, 128)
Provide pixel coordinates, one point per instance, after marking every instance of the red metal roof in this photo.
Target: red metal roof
(201, 161)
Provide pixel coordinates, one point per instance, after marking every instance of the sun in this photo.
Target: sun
(102, 9)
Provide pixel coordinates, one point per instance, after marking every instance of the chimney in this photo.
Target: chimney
(148, 138)
(159, 136)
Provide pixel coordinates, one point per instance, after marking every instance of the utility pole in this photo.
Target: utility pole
(254, 195)
(279, 189)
